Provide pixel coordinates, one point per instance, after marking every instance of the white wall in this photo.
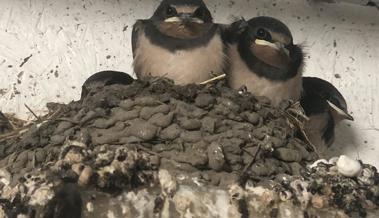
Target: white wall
(70, 40)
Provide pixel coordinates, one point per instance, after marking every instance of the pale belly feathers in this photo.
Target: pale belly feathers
(240, 75)
(182, 66)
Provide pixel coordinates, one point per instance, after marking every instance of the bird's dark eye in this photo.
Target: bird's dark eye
(199, 13)
(170, 11)
(203, 14)
(263, 34)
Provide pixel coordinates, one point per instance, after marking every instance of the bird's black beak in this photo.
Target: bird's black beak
(185, 16)
(349, 117)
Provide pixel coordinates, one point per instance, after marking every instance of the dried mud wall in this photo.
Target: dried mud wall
(49, 47)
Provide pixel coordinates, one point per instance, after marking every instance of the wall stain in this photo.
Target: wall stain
(26, 60)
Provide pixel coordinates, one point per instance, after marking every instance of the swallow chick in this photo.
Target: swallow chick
(264, 59)
(180, 42)
(104, 78)
(325, 107)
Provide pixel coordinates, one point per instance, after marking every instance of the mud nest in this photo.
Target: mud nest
(117, 139)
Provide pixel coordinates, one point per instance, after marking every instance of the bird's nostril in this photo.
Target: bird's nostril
(185, 15)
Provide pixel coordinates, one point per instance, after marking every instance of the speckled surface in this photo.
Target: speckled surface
(49, 47)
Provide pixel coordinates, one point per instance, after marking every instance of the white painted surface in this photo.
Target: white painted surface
(70, 40)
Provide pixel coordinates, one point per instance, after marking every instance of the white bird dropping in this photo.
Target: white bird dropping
(348, 167)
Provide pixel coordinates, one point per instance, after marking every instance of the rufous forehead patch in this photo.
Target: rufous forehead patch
(180, 31)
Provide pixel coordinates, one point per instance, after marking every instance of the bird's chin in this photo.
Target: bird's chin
(184, 30)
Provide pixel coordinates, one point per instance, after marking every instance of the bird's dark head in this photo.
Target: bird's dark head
(266, 46)
(182, 11)
(322, 102)
(183, 19)
(324, 90)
